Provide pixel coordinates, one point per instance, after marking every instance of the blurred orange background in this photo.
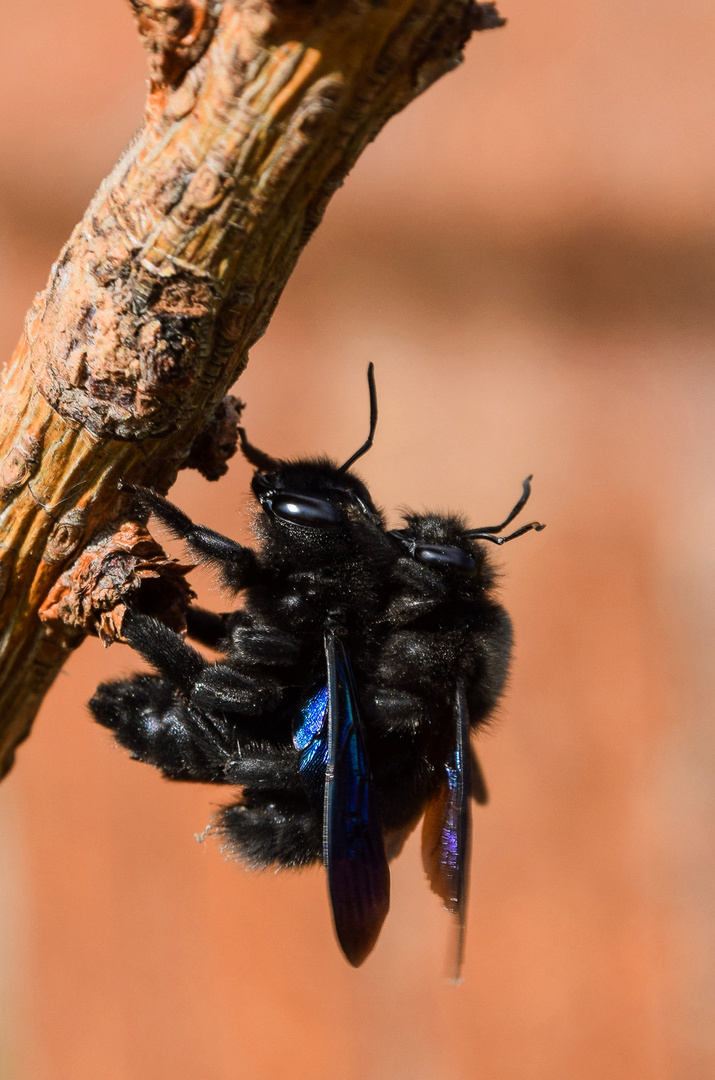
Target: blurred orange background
(528, 255)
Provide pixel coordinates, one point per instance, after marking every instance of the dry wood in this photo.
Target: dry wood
(256, 112)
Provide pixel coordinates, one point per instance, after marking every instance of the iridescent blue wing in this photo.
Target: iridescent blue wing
(353, 847)
(447, 827)
(311, 741)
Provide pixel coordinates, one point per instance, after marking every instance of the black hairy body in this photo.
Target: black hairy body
(345, 687)
(231, 722)
(440, 626)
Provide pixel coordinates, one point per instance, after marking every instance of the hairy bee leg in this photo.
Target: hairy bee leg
(258, 458)
(272, 832)
(397, 710)
(230, 631)
(267, 646)
(220, 687)
(157, 727)
(206, 627)
(266, 768)
(164, 649)
(216, 687)
(237, 564)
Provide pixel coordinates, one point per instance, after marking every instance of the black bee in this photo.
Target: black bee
(440, 671)
(347, 687)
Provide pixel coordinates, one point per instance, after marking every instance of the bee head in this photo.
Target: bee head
(442, 542)
(439, 542)
(316, 494)
(313, 494)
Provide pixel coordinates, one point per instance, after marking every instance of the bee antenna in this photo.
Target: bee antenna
(260, 461)
(478, 534)
(475, 534)
(373, 420)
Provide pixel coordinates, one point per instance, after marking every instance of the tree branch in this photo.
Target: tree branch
(256, 112)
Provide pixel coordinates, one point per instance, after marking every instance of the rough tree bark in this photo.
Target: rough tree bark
(256, 111)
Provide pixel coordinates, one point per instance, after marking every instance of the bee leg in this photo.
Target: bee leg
(236, 632)
(164, 649)
(268, 830)
(265, 768)
(396, 710)
(214, 687)
(236, 564)
(223, 688)
(264, 645)
(157, 727)
(206, 627)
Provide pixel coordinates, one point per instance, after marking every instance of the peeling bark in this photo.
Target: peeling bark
(218, 442)
(175, 33)
(255, 114)
(123, 567)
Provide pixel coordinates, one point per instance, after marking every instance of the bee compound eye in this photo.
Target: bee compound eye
(305, 510)
(440, 555)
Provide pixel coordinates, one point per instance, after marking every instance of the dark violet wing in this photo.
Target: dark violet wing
(353, 846)
(311, 741)
(447, 827)
(479, 791)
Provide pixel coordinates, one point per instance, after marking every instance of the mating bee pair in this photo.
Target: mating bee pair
(347, 685)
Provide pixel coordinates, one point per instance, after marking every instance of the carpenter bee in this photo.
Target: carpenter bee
(440, 671)
(347, 684)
